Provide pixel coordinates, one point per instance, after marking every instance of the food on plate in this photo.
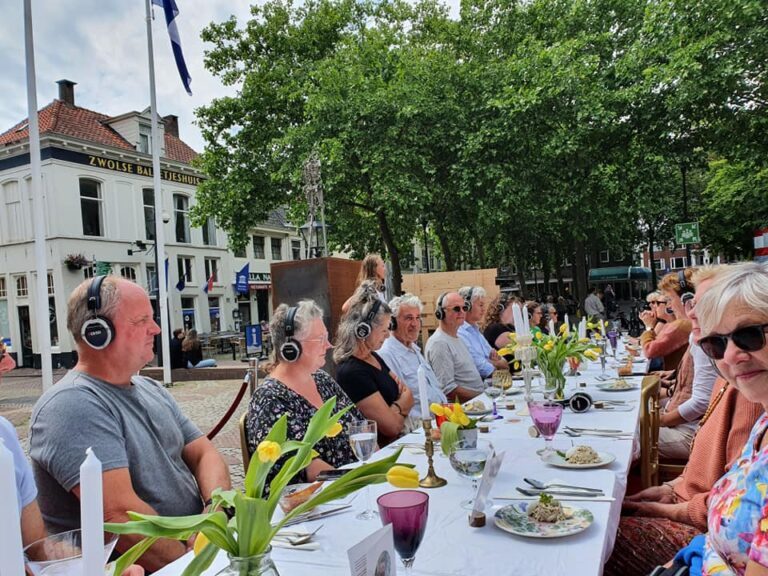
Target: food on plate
(475, 406)
(626, 370)
(296, 494)
(621, 384)
(547, 509)
(582, 454)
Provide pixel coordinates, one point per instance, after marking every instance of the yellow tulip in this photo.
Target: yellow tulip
(591, 355)
(268, 451)
(200, 542)
(539, 336)
(583, 340)
(334, 430)
(437, 409)
(506, 350)
(563, 328)
(549, 345)
(403, 477)
(463, 419)
(516, 365)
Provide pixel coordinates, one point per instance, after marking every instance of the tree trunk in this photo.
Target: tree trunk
(521, 281)
(547, 273)
(480, 252)
(392, 251)
(445, 247)
(560, 283)
(580, 272)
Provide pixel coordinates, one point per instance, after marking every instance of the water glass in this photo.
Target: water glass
(362, 440)
(469, 461)
(61, 554)
(407, 511)
(493, 390)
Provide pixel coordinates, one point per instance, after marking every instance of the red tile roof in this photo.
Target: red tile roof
(66, 120)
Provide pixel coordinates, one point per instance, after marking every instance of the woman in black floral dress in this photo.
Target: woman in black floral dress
(298, 388)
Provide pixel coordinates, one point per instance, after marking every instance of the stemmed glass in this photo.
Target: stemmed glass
(613, 338)
(407, 511)
(546, 415)
(362, 439)
(493, 390)
(468, 459)
(61, 554)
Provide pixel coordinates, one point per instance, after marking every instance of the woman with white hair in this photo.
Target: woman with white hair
(734, 318)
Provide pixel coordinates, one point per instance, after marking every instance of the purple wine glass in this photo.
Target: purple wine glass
(407, 511)
(546, 416)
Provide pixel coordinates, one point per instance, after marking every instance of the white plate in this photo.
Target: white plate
(558, 461)
(611, 387)
(514, 519)
(475, 412)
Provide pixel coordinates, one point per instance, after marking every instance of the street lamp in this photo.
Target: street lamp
(312, 228)
(426, 245)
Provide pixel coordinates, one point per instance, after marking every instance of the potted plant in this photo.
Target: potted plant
(247, 535)
(456, 426)
(76, 261)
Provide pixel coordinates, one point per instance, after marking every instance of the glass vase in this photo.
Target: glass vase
(258, 565)
(554, 384)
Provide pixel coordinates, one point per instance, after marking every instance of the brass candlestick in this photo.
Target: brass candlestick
(431, 480)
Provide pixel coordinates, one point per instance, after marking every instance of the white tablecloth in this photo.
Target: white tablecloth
(451, 546)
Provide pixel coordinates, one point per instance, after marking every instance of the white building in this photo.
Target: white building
(99, 204)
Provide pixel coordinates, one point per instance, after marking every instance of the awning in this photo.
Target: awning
(619, 273)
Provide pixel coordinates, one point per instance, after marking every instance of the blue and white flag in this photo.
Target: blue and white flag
(242, 279)
(171, 11)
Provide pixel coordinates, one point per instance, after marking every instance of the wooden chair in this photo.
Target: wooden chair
(649, 431)
(244, 443)
(671, 469)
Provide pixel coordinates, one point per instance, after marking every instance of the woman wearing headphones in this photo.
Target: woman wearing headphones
(298, 387)
(497, 323)
(364, 375)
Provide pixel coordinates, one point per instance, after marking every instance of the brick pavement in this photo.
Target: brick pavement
(205, 402)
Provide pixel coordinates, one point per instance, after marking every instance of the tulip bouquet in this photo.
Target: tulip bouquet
(455, 420)
(250, 530)
(552, 352)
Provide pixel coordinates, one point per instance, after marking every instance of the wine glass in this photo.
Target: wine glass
(613, 338)
(61, 554)
(493, 390)
(407, 511)
(546, 415)
(362, 439)
(469, 461)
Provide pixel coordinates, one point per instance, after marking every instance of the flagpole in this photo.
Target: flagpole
(38, 217)
(162, 289)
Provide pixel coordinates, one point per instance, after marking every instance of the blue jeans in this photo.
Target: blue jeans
(207, 363)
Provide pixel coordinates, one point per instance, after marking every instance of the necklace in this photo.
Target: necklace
(708, 412)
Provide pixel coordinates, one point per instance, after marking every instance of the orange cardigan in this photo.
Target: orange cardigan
(671, 342)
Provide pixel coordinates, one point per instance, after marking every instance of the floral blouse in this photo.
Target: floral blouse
(272, 399)
(738, 511)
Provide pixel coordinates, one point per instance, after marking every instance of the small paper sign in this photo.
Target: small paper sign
(491, 470)
(374, 555)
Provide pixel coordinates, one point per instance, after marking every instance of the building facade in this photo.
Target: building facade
(99, 216)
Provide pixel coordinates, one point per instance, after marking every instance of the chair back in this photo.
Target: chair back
(649, 431)
(244, 443)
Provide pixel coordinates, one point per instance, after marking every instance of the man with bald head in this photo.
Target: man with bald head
(447, 354)
(154, 459)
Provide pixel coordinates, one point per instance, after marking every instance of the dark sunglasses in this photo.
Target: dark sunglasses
(748, 339)
(458, 309)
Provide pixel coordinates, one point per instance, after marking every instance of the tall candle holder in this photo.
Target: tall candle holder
(431, 480)
(525, 353)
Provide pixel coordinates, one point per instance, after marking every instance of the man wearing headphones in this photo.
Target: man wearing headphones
(154, 459)
(486, 359)
(448, 355)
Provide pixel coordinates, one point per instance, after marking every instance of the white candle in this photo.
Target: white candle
(517, 316)
(92, 515)
(552, 328)
(423, 394)
(11, 553)
(526, 320)
(567, 326)
(602, 326)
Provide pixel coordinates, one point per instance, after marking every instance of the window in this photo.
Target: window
(605, 256)
(128, 272)
(21, 287)
(53, 325)
(50, 284)
(619, 255)
(296, 249)
(215, 314)
(678, 262)
(3, 289)
(181, 212)
(277, 248)
(14, 222)
(151, 280)
(658, 263)
(240, 253)
(188, 312)
(88, 272)
(145, 139)
(185, 268)
(209, 232)
(90, 207)
(212, 269)
(258, 247)
(148, 195)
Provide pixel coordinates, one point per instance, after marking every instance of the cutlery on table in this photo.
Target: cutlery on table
(606, 430)
(297, 538)
(534, 492)
(315, 515)
(581, 498)
(542, 486)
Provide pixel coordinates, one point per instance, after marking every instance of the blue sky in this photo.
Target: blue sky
(102, 45)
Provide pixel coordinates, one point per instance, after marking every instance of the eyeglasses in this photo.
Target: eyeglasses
(688, 301)
(658, 302)
(321, 339)
(748, 339)
(458, 309)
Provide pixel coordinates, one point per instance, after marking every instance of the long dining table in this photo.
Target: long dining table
(451, 547)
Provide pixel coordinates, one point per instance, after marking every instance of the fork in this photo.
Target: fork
(299, 540)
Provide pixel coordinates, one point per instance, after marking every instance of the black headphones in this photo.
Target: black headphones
(98, 331)
(290, 350)
(468, 299)
(579, 402)
(439, 310)
(393, 323)
(503, 301)
(681, 280)
(365, 326)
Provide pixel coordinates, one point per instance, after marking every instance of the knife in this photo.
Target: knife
(558, 493)
(606, 430)
(314, 515)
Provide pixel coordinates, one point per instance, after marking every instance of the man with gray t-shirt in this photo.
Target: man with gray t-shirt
(154, 459)
(448, 355)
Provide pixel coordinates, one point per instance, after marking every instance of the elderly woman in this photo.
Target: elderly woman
(535, 315)
(671, 340)
(364, 375)
(734, 319)
(297, 386)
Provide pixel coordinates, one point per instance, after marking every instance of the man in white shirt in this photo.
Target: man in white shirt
(486, 359)
(448, 355)
(593, 304)
(402, 354)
